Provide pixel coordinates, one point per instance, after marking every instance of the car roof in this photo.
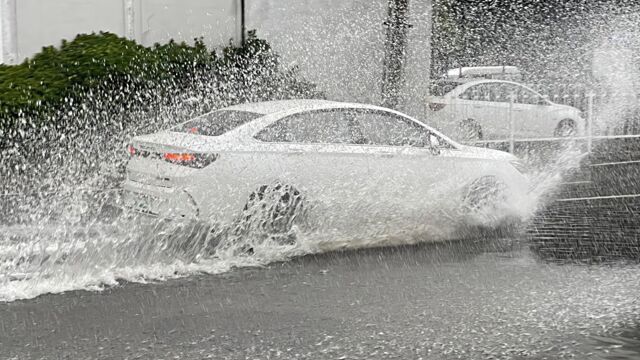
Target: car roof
(271, 107)
(278, 107)
(465, 83)
(480, 81)
(482, 70)
(468, 84)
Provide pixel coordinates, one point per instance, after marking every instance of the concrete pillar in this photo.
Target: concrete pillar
(418, 60)
(129, 19)
(8, 32)
(395, 50)
(240, 28)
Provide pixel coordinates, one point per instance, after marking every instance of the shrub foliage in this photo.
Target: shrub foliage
(131, 75)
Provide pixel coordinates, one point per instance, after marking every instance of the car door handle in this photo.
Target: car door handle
(386, 155)
(296, 149)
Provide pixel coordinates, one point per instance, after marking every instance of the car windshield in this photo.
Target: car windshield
(216, 123)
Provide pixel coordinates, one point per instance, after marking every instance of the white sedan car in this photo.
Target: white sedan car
(482, 110)
(329, 169)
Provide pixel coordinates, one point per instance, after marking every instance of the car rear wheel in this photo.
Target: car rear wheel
(565, 128)
(632, 123)
(469, 131)
(269, 214)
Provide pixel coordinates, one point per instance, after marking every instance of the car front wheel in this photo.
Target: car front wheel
(565, 128)
(269, 214)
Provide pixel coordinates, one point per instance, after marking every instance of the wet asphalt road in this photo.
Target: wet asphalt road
(471, 300)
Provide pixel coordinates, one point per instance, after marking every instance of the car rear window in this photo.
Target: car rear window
(216, 123)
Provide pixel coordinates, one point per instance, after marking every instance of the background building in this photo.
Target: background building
(338, 44)
(28, 25)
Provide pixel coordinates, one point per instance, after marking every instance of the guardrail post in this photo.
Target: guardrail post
(129, 20)
(512, 138)
(590, 97)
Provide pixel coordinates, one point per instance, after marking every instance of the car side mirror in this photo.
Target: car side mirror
(415, 142)
(544, 100)
(434, 144)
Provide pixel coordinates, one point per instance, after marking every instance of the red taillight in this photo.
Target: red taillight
(436, 106)
(178, 158)
(190, 159)
(194, 160)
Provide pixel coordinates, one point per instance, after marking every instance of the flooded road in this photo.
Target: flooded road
(76, 284)
(461, 300)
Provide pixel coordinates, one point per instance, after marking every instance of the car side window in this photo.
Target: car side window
(313, 127)
(473, 93)
(501, 92)
(387, 129)
(526, 96)
(485, 92)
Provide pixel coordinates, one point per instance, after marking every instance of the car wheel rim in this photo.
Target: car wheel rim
(269, 215)
(565, 129)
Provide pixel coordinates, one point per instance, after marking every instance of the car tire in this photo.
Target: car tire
(270, 213)
(469, 131)
(632, 123)
(565, 128)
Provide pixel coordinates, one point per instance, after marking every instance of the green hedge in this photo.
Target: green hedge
(54, 75)
(121, 70)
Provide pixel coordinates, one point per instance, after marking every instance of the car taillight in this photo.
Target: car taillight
(193, 160)
(179, 158)
(436, 106)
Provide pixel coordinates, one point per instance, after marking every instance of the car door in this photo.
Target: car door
(487, 104)
(532, 114)
(414, 178)
(319, 155)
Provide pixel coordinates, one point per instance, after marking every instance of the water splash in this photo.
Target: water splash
(65, 230)
(71, 232)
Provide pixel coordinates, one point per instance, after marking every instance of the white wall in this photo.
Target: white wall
(44, 22)
(39, 23)
(1, 32)
(1, 36)
(339, 45)
(8, 33)
(217, 21)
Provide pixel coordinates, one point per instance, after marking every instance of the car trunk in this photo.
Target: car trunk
(159, 169)
(160, 159)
